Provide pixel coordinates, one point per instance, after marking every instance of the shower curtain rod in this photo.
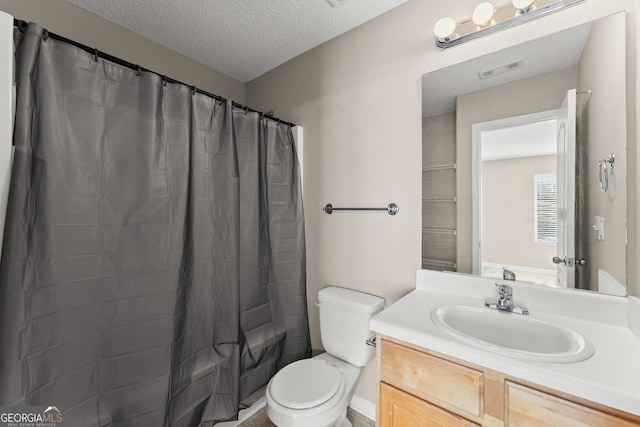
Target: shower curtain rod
(21, 25)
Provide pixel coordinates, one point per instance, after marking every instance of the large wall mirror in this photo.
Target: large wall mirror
(524, 161)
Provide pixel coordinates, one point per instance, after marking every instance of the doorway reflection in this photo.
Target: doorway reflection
(519, 202)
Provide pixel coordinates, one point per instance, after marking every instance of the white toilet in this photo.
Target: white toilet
(316, 392)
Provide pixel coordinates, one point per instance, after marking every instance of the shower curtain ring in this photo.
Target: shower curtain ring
(95, 55)
(45, 35)
(193, 90)
(139, 70)
(164, 80)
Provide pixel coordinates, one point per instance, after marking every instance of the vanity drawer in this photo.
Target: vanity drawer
(447, 384)
(400, 409)
(526, 407)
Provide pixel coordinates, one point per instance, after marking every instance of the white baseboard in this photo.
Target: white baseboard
(363, 406)
(358, 404)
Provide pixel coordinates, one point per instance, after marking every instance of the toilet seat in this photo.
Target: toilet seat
(307, 383)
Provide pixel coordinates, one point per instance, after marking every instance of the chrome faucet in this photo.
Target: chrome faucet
(508, 274)
(505, 301)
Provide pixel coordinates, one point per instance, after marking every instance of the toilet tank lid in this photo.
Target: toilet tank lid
(353, 300)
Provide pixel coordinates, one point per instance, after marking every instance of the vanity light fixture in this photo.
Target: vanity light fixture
(487, 19)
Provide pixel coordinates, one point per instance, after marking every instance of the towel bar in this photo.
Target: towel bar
(391, 209)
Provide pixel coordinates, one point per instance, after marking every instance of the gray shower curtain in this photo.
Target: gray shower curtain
(154, 264)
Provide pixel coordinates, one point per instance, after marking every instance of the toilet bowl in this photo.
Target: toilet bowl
(312, 392)
(316, 392)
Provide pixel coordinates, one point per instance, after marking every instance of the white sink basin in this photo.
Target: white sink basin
(512, 334)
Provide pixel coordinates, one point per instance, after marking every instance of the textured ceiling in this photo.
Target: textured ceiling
(240, 38)
(543, 55)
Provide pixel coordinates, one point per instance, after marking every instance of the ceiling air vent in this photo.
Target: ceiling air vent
(336, 3)
(501, 69)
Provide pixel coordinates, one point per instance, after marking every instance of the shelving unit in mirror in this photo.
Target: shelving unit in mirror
(439, 199)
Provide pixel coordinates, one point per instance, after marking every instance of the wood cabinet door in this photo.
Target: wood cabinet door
(449, 385)
(529, 407)
(400, 409)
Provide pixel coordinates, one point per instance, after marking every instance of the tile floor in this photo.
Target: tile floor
(260, 419)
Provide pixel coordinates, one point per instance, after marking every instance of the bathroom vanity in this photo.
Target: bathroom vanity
(430, 375)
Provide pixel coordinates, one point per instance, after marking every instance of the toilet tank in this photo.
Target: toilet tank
(344, 323)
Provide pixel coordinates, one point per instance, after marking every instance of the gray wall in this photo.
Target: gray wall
(508, 213)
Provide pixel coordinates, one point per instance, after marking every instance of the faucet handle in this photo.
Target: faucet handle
(504, 290)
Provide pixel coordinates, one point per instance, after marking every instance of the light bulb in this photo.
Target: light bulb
(522, 4)
(444, 28)
(482, 14)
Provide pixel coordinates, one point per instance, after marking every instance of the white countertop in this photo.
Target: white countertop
(610, 377)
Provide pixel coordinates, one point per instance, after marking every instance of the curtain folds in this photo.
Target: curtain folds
(154, 263)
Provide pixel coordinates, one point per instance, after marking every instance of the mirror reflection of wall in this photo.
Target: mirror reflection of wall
(543, 71)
